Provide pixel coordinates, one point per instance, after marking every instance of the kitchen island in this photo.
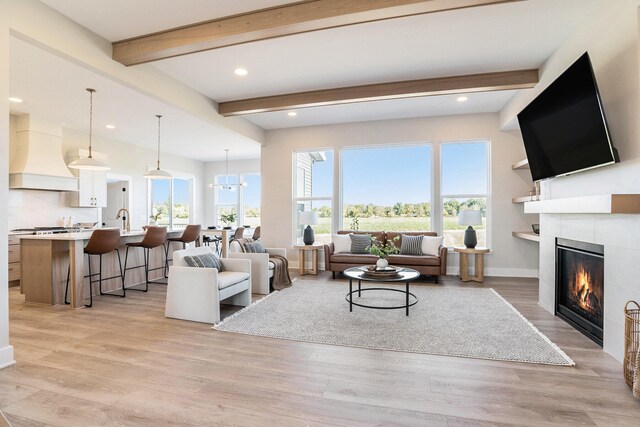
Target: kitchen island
(45, 260)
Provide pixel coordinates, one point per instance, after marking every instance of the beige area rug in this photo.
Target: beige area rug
(475, 323)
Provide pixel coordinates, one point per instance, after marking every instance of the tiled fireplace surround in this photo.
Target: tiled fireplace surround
(620, 236)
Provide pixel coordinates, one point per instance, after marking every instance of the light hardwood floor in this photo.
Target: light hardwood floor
(122, 363)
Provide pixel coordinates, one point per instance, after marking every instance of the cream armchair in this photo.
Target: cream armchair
(196, 293)
(261, 267)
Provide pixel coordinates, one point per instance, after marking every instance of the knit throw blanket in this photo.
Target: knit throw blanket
(281, 278)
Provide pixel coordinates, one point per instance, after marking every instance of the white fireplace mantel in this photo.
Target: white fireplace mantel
(600, 204)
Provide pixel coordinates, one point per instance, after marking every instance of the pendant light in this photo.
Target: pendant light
(226, 185)
(158, 173)
(89, 163)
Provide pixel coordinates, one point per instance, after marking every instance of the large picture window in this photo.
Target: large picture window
(242, 200)
(313, 192)
(464, 185)
(171, 201)
(387, 188)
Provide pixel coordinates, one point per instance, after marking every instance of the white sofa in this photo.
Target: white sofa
(261, 267)
(196, 293)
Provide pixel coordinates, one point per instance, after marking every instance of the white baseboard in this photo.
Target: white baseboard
(500, 272)
(6, 357)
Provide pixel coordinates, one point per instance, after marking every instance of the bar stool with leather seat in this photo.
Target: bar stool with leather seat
(101, 242)
(256, 233)
(153, 238)
(190, 234)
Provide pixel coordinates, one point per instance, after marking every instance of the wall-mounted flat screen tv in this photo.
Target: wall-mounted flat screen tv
(564, 129)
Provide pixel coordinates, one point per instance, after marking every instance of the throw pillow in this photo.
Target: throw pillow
(204, 261)
(411, 245)
(360, 243)
(431, 245)
(341, 243)
(254, 247)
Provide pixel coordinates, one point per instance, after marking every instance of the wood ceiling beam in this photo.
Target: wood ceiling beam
(505, 80)
(295, 18)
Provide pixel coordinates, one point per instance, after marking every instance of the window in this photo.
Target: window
(313, 192)
(387, 189)
(171, 201)
(464, 185)
(242, 200)
(227, 199)
(251, 200)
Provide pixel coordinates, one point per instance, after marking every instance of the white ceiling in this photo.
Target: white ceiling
(483, 39)
(59, 95)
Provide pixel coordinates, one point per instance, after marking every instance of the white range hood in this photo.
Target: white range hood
(36, 158)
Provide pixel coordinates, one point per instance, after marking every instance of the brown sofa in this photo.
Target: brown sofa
(425, 264)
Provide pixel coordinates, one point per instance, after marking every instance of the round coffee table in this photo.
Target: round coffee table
(405, 275)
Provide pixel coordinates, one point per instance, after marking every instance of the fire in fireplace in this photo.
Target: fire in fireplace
(580, 286)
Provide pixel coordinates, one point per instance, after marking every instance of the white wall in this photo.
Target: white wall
(6, 351)
(511, 256)
(213, 169)
(611, 38)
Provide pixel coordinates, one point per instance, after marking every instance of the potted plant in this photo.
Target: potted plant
(228, 219)
(155, 216)
(382, 251)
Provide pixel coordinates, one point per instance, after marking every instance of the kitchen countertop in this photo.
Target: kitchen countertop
(85, 235)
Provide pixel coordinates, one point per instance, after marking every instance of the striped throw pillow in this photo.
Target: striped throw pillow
(254, 247)
(360, 243)
(204, 261)
(411, 245)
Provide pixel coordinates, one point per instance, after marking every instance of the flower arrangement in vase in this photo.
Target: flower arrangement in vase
(155, 216)
(382, 251)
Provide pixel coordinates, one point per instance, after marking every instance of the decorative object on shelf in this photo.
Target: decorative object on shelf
(89, 163)
(470, 218)
(309, 218)
(228, 219)
(158, 173)
(226, 185)
(535, 228)
(382, 251)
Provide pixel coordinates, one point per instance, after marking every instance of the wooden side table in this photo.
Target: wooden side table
(464, 263)
(302, 250)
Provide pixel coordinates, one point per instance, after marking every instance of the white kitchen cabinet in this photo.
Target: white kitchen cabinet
(92, 190)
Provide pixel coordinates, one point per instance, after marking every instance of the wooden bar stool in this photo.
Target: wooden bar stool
(100, 243)
(190, 234)
(153, 238)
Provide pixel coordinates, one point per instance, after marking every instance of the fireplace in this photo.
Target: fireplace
(580, 286)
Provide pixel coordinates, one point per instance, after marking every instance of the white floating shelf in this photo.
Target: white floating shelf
(522, 164)
(521, 199)
(601, 204)
(526, 235)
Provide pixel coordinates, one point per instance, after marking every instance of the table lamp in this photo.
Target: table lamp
(310, 218)
(470, 218)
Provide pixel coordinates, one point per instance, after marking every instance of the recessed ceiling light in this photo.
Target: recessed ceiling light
(462, 98)
(241, 71)
(17, 100)
(110, 126)
(292, 114)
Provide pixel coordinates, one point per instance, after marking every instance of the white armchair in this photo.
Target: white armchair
(196, 293)
(261, 267)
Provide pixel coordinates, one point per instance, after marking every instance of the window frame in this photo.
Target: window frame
(487, 196)
(295, 199)
(192, 199)
(239, 204)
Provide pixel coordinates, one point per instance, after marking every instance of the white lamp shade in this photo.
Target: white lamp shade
(89, 163)
(158, 174)
(470, 217)
(308, 218)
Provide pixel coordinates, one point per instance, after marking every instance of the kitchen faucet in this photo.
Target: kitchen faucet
(125, 218)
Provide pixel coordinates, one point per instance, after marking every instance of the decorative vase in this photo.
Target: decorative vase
(382, 263)
(152, 222)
